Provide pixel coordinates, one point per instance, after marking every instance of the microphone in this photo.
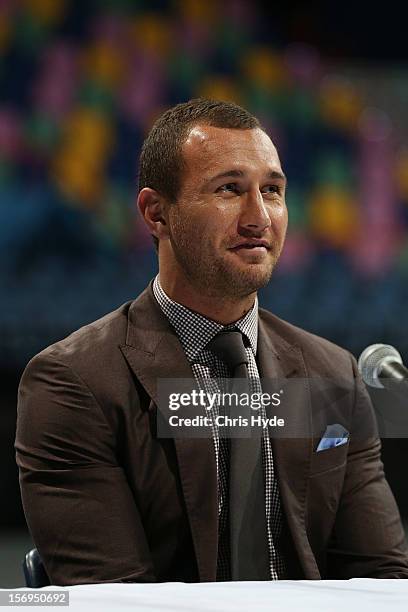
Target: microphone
(381, 367)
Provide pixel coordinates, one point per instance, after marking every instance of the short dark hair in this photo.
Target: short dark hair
(161, 160)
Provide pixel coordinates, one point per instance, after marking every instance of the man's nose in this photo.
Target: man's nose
(254, 213)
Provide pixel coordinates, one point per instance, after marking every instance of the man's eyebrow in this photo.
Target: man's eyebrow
(273, 174)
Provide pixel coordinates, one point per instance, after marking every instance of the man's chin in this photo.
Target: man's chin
(244, 282)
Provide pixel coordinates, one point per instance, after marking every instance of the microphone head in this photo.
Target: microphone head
(372, 359)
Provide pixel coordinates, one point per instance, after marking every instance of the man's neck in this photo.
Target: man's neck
(222, 310)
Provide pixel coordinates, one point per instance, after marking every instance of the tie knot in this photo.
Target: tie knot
(229, 347)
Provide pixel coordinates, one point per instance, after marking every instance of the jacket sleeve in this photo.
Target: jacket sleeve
(368, 539)
(77, 502)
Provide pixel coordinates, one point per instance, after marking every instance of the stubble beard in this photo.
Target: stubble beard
(217, 277)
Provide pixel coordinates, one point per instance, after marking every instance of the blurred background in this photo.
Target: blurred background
(81, 83)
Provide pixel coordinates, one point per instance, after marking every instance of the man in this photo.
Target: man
(106, 498)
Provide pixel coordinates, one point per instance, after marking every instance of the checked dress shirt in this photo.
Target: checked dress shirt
(194, 332)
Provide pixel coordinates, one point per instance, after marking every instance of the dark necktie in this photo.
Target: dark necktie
(247, 520)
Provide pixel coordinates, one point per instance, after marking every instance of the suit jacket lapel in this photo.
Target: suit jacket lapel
(278, 359)
(153, 351)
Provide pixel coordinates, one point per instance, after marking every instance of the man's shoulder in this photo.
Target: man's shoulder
(315, 349)
(91, 342)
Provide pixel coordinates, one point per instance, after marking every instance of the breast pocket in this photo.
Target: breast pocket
(329, 459)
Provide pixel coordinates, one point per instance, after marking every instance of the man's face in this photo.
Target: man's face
(229, 223)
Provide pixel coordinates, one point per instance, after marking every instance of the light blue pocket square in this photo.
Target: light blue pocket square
(335, 435)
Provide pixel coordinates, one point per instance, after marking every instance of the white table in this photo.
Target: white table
(363, 595)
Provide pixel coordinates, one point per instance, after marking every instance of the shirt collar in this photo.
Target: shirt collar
(195, 330)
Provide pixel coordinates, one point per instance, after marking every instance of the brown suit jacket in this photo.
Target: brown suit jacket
(107, 500)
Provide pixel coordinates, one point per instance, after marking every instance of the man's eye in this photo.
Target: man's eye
(271, 189)
(228, 187)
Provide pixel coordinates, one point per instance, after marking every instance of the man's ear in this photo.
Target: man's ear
(152, 206)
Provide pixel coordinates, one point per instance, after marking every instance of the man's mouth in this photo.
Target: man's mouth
(250, 246)
(260, 246)
(251, 252)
